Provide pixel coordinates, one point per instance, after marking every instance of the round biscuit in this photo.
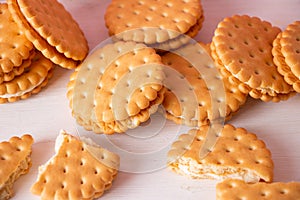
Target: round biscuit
(172, 18)
(14, 45)
(249, 58)
(100, 65)
(245, 88)
(124, 73)
(53, 30)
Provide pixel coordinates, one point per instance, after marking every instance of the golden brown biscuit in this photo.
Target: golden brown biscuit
(232, 189)
(29, 82)
(120, 85)
(14, 45)
(17, 71)
(14, 161)
(243, 46)
(154, 22)
(52, 30)
(286, 52)
(79, 170)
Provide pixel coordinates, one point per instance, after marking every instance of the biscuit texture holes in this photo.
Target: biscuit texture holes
(283, 192)
(264, 194)
(252, 148)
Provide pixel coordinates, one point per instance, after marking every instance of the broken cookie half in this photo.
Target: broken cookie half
(80, 169)
(237, 154)
(15, 160)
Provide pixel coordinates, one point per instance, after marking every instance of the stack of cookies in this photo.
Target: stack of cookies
(23, 71)
(117, 87)
(256, 59)
(242, 49)
(103, 91)
(121, 84)
(34, 37)
(150, 61)
(286, 52)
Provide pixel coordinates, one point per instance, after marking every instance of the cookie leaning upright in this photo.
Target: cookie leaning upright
(14, 46)
(51, 29)
(286, 51)
(154, 22)
(14, 161)
(117, 87)
(243, 46)
(188, 99)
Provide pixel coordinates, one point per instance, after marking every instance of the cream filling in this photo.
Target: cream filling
(218, 173)
(6, 189)
(20, 93)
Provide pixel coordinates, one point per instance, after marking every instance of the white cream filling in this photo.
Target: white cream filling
(218, 173)
(20, 93)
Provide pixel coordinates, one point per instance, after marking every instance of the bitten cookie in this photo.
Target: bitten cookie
(79, 170)
(15, 161)
(236, 154)
(243, 46)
